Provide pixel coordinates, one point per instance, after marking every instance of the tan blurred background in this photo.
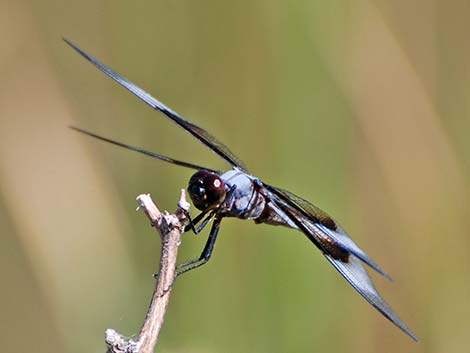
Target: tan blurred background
(361, 107)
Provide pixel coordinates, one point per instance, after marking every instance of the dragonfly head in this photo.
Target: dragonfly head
(206, 189)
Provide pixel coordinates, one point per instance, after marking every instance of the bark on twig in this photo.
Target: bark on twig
(170, 228)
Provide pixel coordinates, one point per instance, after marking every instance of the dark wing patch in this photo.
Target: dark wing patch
(322, 226)
(202, 135)
(311, 210)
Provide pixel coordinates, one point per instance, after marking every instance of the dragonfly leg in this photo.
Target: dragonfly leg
(206, 252)
(209, 247)
(196, 231)
(192, 222)
(200, 227)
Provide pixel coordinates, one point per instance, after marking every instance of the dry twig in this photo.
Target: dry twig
(170, 228)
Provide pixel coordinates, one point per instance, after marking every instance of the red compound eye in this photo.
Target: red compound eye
(206, 190)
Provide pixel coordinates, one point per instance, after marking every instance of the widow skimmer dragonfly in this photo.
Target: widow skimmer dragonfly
(236, 193)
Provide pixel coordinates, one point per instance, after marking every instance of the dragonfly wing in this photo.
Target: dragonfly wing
(336, 247)
(357, 276)
(147, 153)
(322, 226)
(341, 238)
(202, 135)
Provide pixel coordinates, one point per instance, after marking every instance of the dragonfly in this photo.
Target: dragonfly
(237, 193)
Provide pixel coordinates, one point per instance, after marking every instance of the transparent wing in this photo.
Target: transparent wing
(324, 228)
(357, 277)
(335, 248)
(198, 132)
(147, 153)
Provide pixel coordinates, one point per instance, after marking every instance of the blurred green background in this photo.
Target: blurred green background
(361, 107)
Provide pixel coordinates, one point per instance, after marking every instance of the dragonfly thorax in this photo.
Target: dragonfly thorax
(245, 201)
